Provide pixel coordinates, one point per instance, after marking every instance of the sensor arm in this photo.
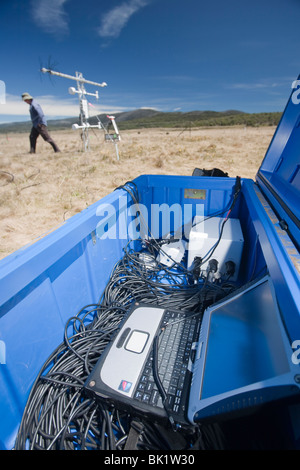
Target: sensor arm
(71, 77)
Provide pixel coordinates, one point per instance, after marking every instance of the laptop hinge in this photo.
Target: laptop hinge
(194, 347)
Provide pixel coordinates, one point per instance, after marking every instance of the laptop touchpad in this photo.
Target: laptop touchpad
(137, 341)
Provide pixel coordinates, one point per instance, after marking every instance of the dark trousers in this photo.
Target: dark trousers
(43, 131)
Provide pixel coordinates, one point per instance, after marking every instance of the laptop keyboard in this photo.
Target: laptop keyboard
(175, 345)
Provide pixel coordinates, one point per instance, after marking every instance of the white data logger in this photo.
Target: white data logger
(223, 239)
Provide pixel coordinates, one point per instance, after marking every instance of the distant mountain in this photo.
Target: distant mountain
(145, 118)
(137, 114)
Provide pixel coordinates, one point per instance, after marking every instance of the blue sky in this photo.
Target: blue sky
(169, 55)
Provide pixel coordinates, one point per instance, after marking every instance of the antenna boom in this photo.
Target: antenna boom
(71, 77)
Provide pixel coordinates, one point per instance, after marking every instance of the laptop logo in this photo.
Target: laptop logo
(125, 386)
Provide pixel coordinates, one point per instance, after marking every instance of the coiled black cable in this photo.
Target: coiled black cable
(58, 414)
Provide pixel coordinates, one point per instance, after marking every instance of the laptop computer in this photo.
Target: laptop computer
(168, 364)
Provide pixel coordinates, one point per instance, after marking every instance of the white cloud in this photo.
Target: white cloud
(50, 16)
(116, 19)
(53, 108)
(250, 86)
(267, 83)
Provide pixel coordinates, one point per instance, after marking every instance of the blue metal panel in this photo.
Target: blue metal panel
(279, 173)
(202, 193)
(31, 331)
(41, 287)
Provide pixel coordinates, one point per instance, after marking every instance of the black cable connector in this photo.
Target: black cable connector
(212, 266)
(230, 268)
(196, 268)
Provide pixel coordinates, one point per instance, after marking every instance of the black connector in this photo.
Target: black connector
(230, 268)
(196, 268)
(212, 266)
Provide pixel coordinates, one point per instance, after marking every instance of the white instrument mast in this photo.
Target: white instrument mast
(83, 103)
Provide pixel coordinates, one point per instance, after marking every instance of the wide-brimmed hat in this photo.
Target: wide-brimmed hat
(26, 96)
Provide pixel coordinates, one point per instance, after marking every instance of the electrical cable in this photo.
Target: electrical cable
(208, 255)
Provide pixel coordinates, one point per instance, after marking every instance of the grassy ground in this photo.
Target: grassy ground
(38, 192)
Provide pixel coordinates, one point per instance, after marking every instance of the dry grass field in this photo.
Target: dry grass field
(38, 192)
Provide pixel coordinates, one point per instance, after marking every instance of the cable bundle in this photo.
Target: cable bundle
(58, 414)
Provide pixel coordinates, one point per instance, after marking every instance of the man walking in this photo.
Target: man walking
(39, 124)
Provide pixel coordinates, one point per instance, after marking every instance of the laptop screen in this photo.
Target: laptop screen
(242, 349)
